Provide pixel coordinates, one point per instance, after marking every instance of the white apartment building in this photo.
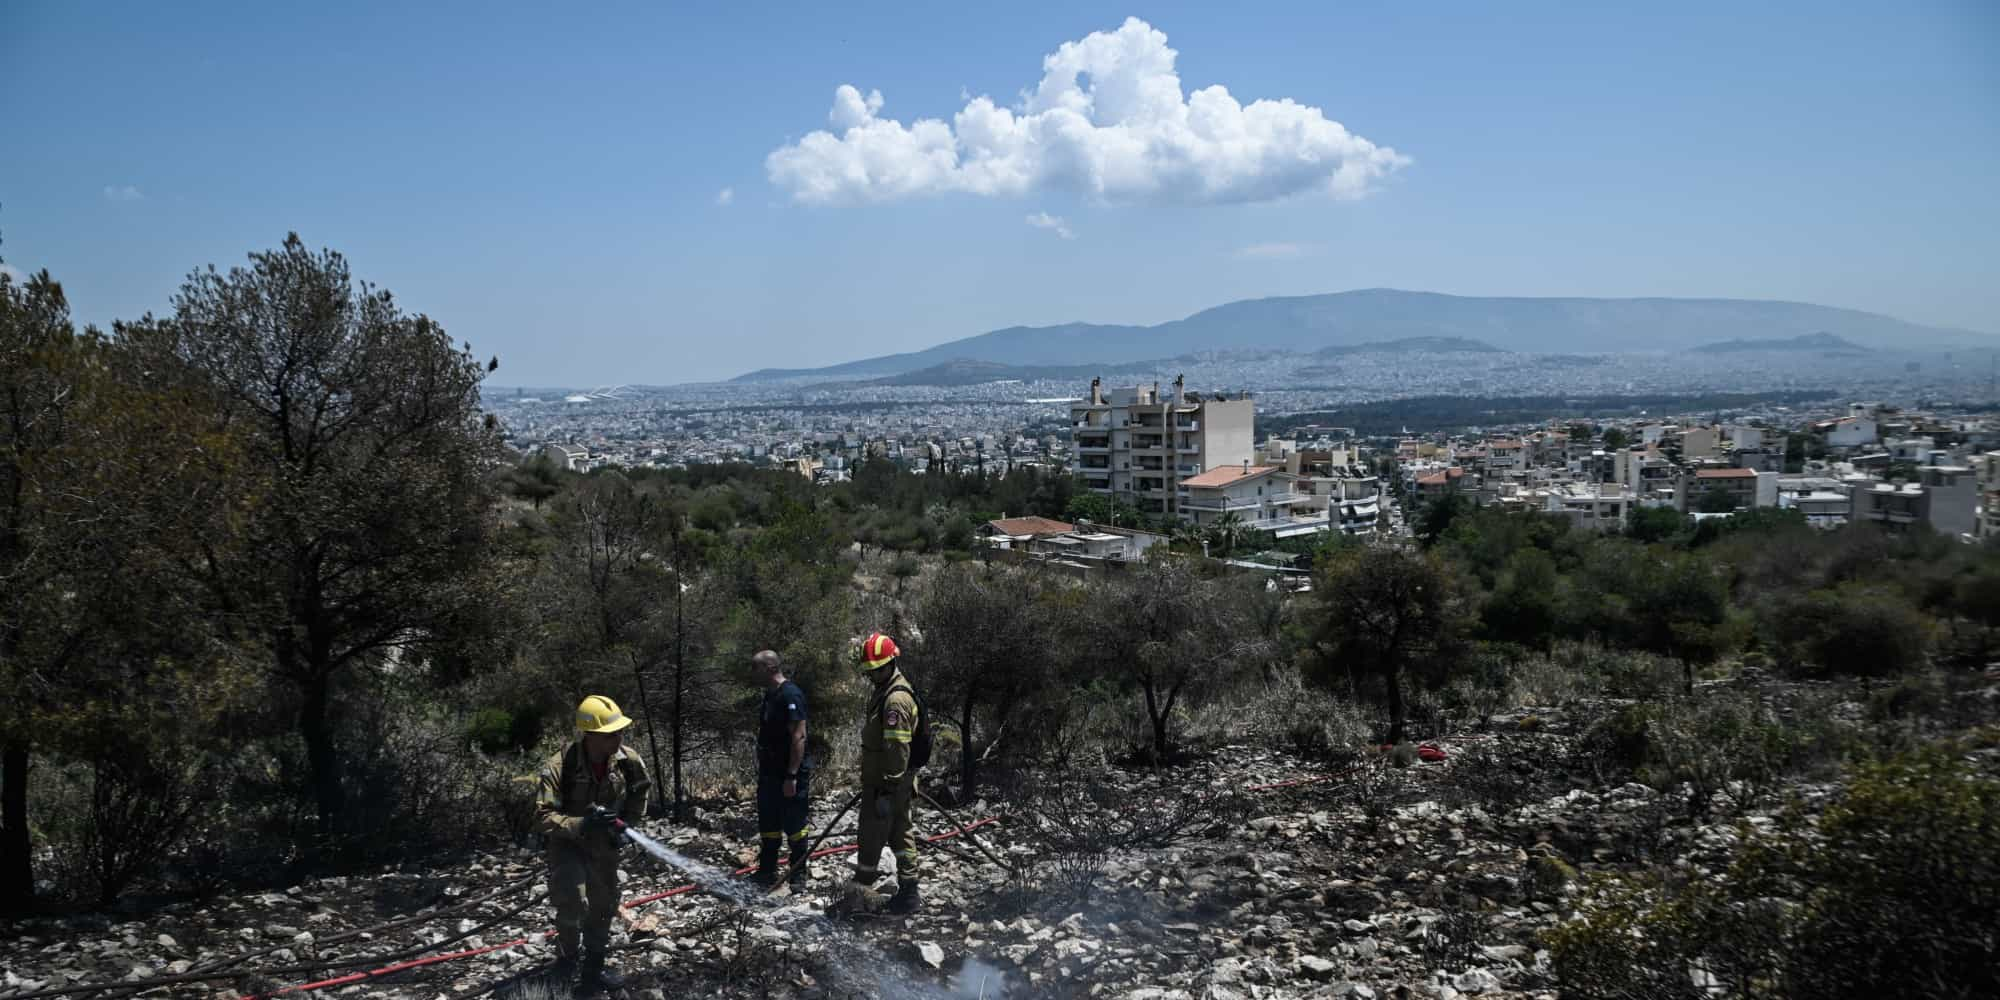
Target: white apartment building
(1138, 445)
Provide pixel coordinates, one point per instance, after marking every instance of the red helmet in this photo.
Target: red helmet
(877, 651)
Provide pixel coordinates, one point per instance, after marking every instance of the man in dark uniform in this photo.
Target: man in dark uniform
(783, 771)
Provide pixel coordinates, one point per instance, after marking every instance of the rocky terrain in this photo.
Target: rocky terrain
(1389, 876)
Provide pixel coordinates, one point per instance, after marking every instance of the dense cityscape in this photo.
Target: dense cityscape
(1930, 413)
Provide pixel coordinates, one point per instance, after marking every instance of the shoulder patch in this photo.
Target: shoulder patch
(892, 718)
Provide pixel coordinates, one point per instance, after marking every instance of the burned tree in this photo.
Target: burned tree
(1386, 610)
(986, 651)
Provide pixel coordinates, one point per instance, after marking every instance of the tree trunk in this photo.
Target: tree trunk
(681, 812)
(1398, 712)
(968, 761)
(652, 729)
(316, 728)
(1159, 721)
(17, 871)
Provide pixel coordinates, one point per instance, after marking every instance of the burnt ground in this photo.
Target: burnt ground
(1394, 879)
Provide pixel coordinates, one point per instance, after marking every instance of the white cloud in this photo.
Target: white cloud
(1108, 119)
(121, 192)
(13, 272)
(1043, 220)
(726, 196)
(1271, 251)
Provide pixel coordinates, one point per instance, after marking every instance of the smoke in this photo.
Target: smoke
(851, 959)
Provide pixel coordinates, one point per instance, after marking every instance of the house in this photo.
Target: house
(573, 458)
(1021, 532)
(1592, 506)
(1850, 432)
(1434, 485)
(1261, 497)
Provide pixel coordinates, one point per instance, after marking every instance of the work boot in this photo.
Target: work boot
(597, 977)
(797, 865)
(767, 862)
(906, 900)
(563, 969)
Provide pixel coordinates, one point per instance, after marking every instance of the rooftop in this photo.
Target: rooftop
(1227, 474)
(1030, 526)
(1726, 474)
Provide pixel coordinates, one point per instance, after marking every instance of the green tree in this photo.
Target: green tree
(1173, 633)
(1523, 608)
(365, 538)
(1383, 611)
(43, 370)
(106, 474)
(1615, 439)
(1715, 500)
(1655, 524)
(1437, 517)
(1859, 630)
(1226, 532)
(985, 649)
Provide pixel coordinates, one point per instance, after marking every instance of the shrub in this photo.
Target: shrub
(1855, 631)
(1891, 895)
(491, 730)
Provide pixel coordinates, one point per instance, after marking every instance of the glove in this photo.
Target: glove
(595, 820)
(882, 805)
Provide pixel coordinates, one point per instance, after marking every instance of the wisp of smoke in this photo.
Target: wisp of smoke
(846, 954)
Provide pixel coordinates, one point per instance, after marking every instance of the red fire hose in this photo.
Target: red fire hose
(356, 977)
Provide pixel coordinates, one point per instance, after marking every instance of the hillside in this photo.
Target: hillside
(1817, 343)
(1373, 316)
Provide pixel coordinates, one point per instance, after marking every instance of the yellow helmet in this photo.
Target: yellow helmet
(598, 714)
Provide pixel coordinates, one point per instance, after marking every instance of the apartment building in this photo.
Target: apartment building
(1591, 506)
(1739, 484)
(1139, 445)
(1945, 497)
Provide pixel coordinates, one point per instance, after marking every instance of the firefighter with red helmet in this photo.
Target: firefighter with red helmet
(888, 782)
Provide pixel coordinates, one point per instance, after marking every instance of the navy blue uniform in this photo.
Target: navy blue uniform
(780, 818)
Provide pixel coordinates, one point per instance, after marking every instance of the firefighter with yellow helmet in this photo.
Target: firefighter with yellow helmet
(887, 780)
(585, 792)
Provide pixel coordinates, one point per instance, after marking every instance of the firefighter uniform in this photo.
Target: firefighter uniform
(886, 775)
(583, 858)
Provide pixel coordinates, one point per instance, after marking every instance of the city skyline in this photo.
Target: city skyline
(658, 197)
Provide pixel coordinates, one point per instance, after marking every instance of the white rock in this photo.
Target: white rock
(1317, 967)
(1476, 981)
(167, 941)
(932, 955)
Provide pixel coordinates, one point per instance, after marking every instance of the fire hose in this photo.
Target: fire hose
(400, 961)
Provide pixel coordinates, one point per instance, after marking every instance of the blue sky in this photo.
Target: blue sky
(546, 182)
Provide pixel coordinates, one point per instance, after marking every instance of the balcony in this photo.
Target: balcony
(1222, 506)
(1188, 425)
(1092, 449)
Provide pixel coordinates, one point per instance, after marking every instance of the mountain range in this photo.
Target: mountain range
(1314, 323)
